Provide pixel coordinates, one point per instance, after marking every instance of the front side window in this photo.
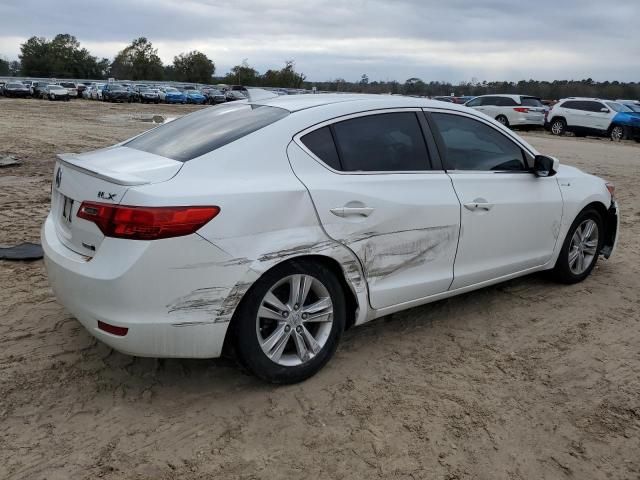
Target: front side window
(572, 105)
(206, 130)
(381, 143)
(472, 145)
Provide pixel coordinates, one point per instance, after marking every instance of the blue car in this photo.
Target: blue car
(173, 95)
(194, 96)
(625, 123)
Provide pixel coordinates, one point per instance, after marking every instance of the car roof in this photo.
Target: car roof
(583, 98)
(294, 103)
(508, 95)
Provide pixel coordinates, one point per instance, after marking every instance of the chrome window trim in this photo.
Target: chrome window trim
(297, 140)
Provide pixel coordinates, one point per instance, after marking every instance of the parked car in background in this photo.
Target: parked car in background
(195, 97)
(232, 95)
(81, 87)
(37, 88)
(114, 92)
(444, 99)
(148, 95)
(632, 104)
(71, 87)
(464, 99)
(134, 95)
(16, 90)
(214, 96)
(173, 95)
(593, 116)
(365, 239)
(95, 91)
(54, 92)
(511, 110)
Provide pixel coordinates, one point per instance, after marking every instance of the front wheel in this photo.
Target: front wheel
(558, 126)
(290, 322)
(617, 133)
(581, 248)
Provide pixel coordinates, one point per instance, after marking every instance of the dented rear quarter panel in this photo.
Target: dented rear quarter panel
(266, 217)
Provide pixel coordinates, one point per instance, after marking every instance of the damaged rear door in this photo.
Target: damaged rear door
(378, 187)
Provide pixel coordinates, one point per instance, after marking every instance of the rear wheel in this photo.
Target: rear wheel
(289, 324)
(558, 126)
(503, 120)
(581, 248)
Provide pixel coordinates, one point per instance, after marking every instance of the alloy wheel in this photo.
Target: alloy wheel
(557, 128)
(584, 247)
(617, 133)
(294, 320)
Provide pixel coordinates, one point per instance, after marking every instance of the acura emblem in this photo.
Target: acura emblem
(58, 177)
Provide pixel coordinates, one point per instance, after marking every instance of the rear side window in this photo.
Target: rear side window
(385, 142)
(321, 143)
(206, 130)
(593, 106)
(531, 102)
(472, 145)
(505, 102)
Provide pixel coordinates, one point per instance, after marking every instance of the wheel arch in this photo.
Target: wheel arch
(348, 273)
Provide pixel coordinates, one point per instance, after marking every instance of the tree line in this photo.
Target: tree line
(63, 57)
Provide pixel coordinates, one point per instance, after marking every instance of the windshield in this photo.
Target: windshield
(15, 85)
(68, 85)
(635, 108)
(206, 130)
(56, 87)
(618, 107)
(171, 90)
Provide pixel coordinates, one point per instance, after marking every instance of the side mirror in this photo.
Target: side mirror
(544, 166)
(604, 110)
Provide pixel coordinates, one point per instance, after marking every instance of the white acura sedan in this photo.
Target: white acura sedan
(270, 226)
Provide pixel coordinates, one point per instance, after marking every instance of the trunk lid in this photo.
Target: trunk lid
(100, 176)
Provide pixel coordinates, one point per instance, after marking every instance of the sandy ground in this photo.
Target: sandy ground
(525, 380)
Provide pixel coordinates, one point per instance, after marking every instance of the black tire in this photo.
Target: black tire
(558, 126)
(617, 133)
(562, 270)
(245, 336)
(503, 120)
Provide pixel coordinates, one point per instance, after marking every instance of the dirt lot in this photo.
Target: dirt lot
(526, 380)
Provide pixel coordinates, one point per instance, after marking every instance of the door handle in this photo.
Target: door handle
(351, 211)
(473, 206)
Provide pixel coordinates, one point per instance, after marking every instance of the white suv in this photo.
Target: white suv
(511, 110)
(593, 116)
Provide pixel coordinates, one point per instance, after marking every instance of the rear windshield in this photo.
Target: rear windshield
(531, 102)
(206, 130)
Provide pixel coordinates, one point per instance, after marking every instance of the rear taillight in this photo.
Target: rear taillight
(521, 109)
(146, 223)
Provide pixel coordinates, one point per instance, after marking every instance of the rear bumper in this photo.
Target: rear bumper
(173, 295)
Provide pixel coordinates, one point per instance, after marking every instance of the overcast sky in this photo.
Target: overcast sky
(449, 40)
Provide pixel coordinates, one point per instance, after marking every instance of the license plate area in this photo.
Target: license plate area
(66, 210)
